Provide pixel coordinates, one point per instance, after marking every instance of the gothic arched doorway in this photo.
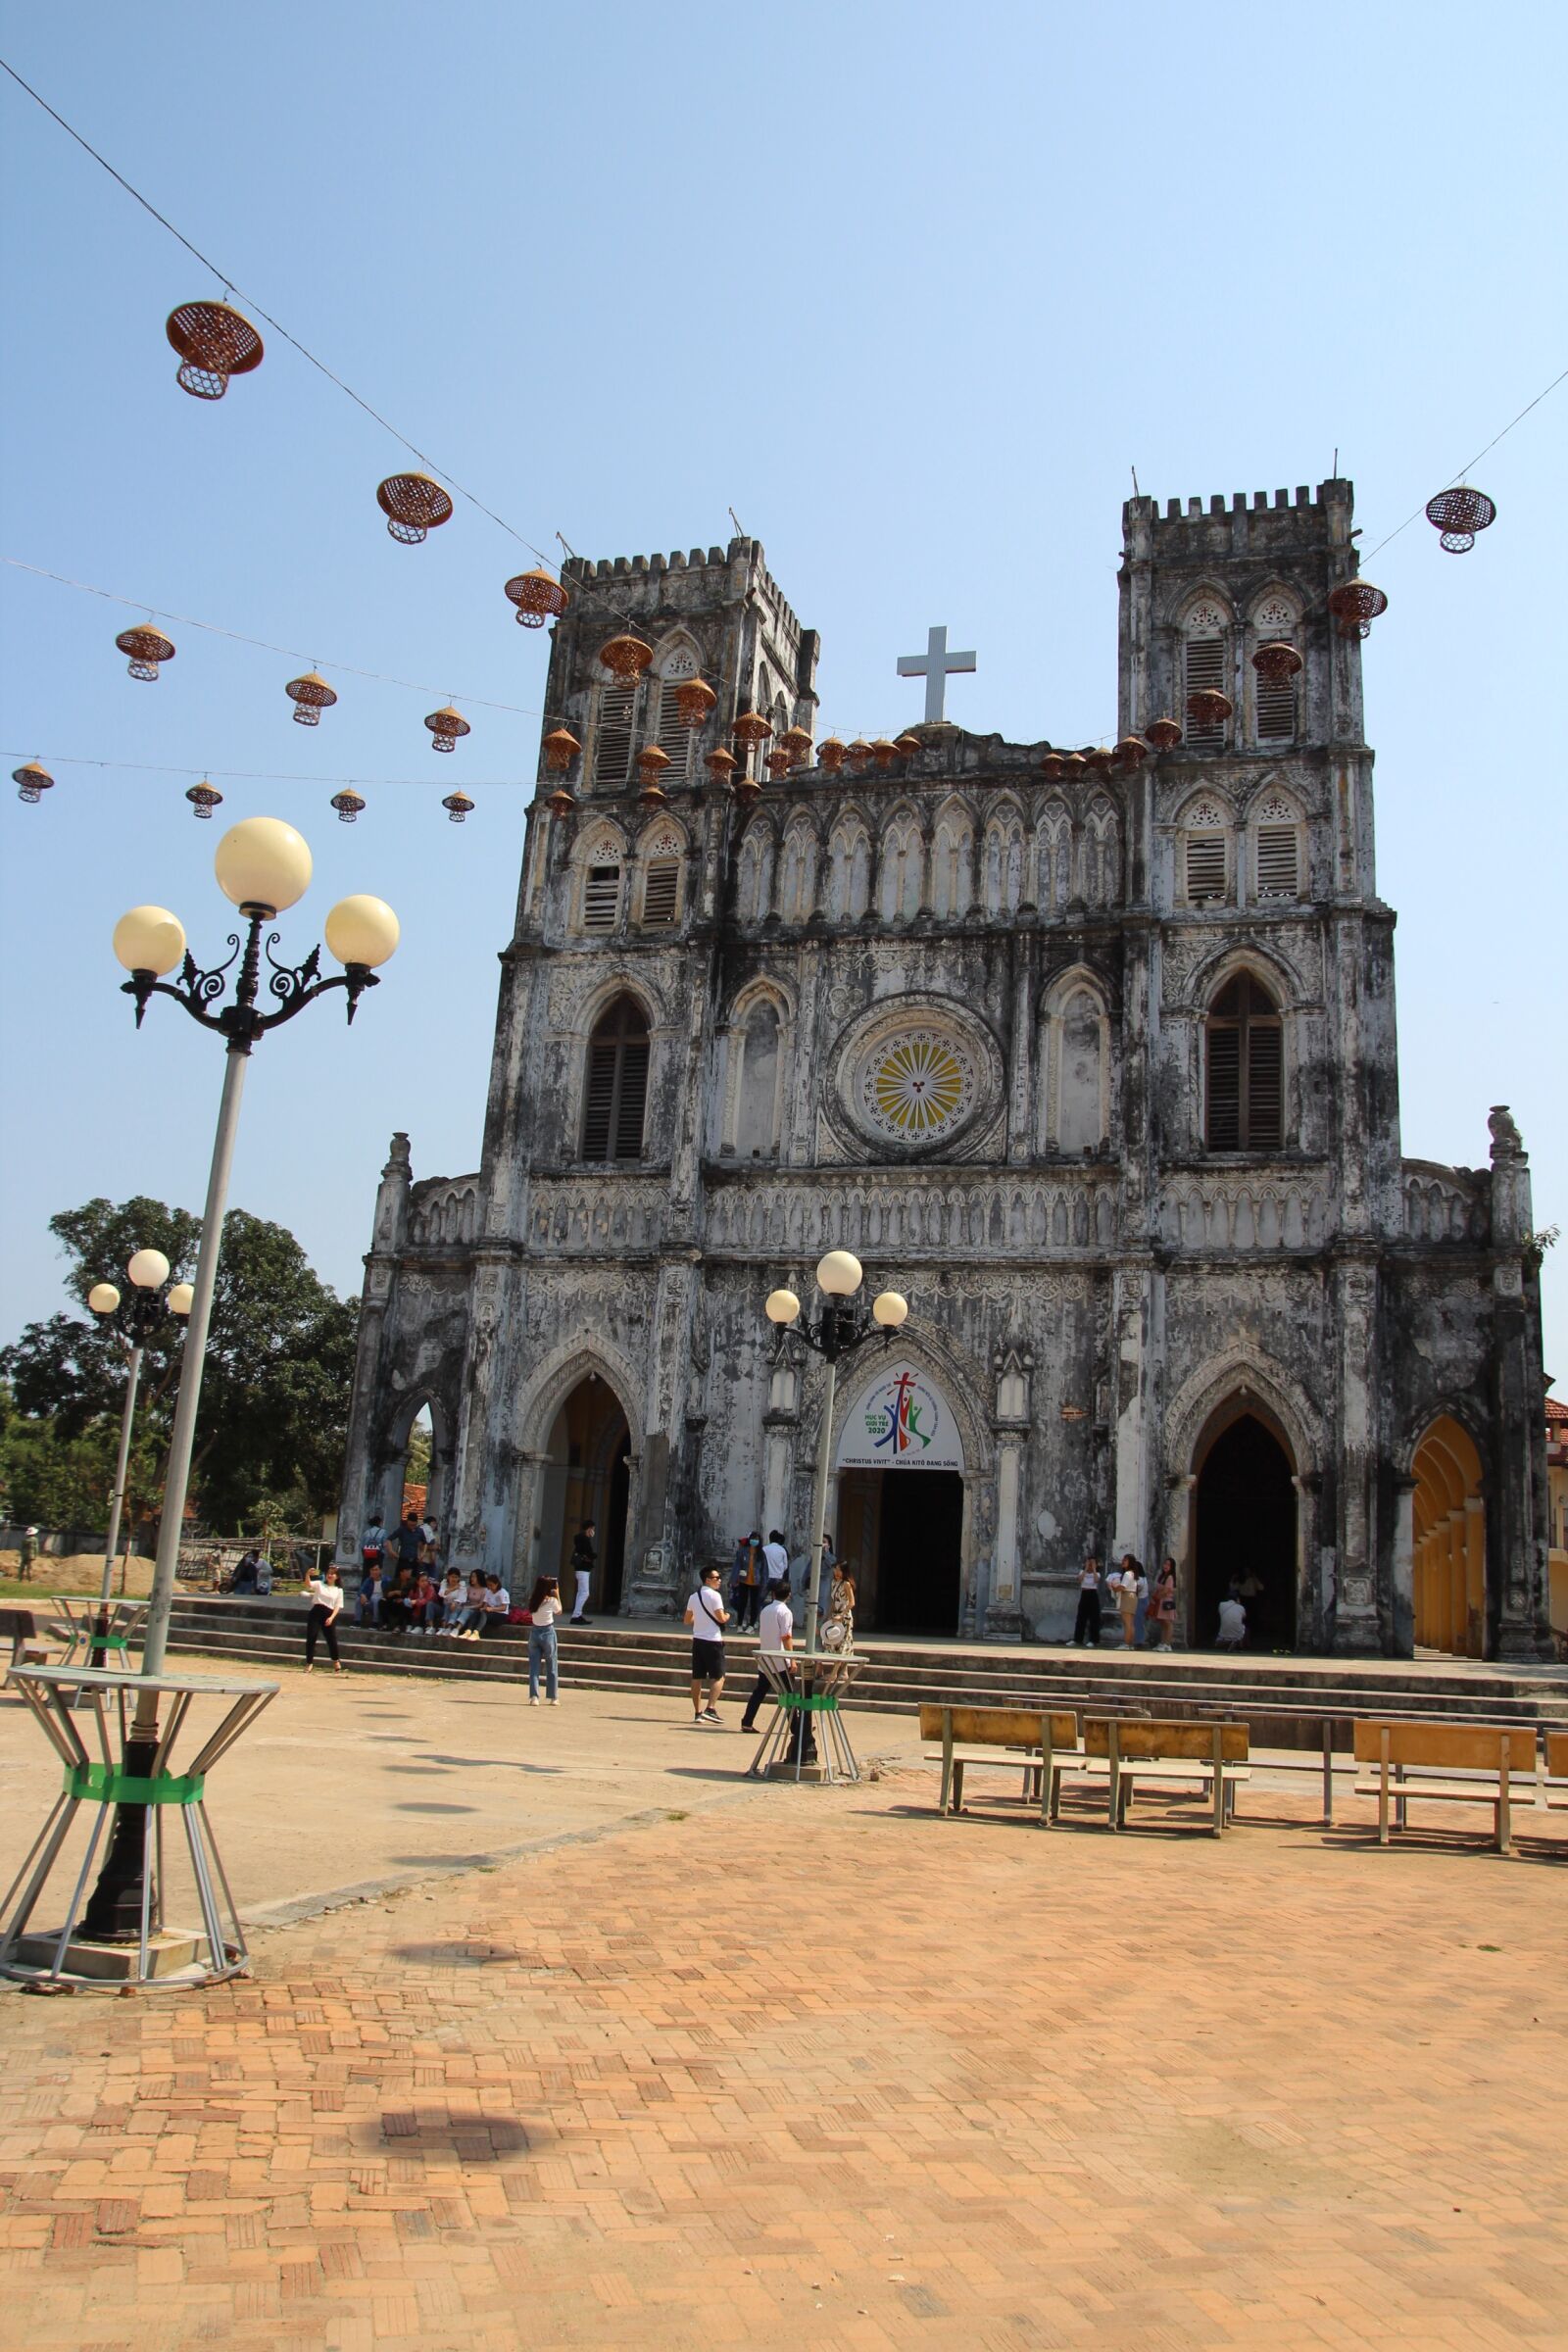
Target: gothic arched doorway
(1448, 1534)
(586, 1476)
(1244, 1531)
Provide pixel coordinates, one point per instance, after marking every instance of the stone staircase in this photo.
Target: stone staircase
(1285, 1700)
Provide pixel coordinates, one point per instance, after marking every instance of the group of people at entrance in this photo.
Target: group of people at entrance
(1147, 1617)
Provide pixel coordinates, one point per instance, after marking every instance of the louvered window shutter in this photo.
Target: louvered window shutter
(1266, 1076)
(633, 1099)
(601, 1099)
(1206, 865)
(601, 898)
(1278, 862)
(1224, 1126)
(617, 713)
(1276, 711)
(1203, 665)
(674, 737)
(661, 891)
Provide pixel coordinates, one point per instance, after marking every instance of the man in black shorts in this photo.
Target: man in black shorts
(708, 1617)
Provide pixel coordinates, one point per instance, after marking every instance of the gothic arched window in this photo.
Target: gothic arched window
(1276, 848)
(1246, 1069)
(616, 1094)
(1274, 707)
(1205, 854)
(672, 735)
(1205, 661)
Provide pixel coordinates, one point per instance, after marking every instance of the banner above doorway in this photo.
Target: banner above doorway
(901, 1422)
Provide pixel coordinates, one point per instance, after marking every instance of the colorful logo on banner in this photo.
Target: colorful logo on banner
(902, 1424)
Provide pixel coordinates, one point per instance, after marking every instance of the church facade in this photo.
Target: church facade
(1092, 1057)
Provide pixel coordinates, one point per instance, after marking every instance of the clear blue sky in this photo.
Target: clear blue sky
(911, 288)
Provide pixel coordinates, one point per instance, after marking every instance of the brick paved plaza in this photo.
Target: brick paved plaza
(812, 2067)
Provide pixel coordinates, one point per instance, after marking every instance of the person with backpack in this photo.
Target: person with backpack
(746, 1580)
(372, 1545)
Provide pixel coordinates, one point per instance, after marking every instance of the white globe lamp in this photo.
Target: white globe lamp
(362, 930)
(149, 939)
(890, 1309)
(782, 1307)
(180, 1297)
(262, 862)
(103, 1297)
(148, 1269)
(839, 1274)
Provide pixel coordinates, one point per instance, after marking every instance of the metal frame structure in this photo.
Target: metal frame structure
(109, 1781)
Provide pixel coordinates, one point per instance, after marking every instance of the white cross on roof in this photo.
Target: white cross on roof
(936, 665)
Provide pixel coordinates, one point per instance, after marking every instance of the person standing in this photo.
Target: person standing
(1086, 1625)
(584, 1559)
(745, 1578)
(326, 1596)
(408, 1542)
(775, 1561)
(29, 1552)
(1131, 1588)
(372, 1545)
(708, 1617)
(544, 1608)
(1162, 1606)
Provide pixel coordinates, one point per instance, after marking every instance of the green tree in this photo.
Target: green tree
(278, 1367)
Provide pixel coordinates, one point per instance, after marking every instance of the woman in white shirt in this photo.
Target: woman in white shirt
(325, 1596)
(544, 1608)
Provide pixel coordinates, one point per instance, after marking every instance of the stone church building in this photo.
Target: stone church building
(1093, 1058)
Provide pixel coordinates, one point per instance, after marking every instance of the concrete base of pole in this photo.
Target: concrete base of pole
(171, 1952)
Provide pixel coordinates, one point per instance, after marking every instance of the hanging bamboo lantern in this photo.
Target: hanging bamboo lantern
(883, 751)
(1163, 733)
(413, 506)
(748, 788)
(859, 755)
(1458, 515)
(830, 755)
(1073, 767)
(561, 748)
(1100, 761)
(750, 728)
(908, 745)
(31, 781)
(204, 800)
(722, 767)
(457, 805)
(310, 696)
(1355, 606)
(1208, 706)
(694, 700)
(797, 740)
(539, 597)
(651, 766)
(445, 726)
(1050, 767)
(147, 649)
(625, 659)
(213, 343)
(779, 763)
(1130, 752)
(348, 805)
(1277, 662)
(561, 801)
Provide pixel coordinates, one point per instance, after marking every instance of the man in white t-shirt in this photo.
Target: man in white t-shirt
(1232, 1624)
(708, 1617)
(775, 1638)
(776, 1560)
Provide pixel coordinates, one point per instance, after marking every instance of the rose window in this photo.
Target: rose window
(915, 1083)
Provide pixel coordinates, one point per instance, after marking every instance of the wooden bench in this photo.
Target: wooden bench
(1041, 1743)
(29, 1647)
(1214, 1753)
(1469, 1763)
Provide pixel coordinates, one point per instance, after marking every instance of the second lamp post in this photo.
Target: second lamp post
(134, 1320)
(840, 1325)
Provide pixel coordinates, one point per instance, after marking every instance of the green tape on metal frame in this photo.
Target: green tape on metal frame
(820, 1702)
(107, 1786)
